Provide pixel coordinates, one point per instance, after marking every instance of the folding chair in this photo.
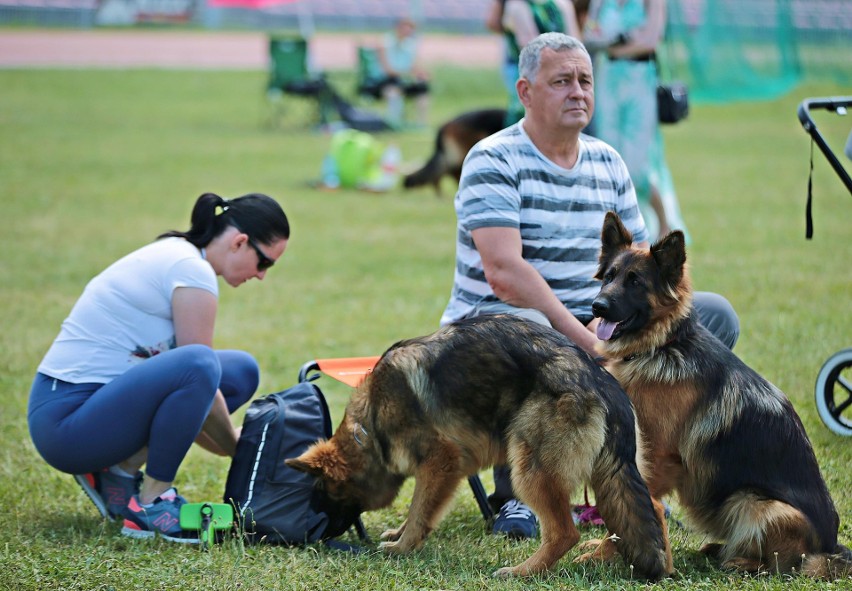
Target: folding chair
(350, 371)
(289, 75)
(369, 74)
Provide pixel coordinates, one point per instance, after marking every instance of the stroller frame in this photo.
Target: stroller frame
(833, 390)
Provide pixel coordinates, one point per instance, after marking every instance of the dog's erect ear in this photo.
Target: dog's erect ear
(670, 256)
(614, 234)
(614, 238)
(322, 459)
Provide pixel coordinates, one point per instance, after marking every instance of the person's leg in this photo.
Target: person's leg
(636, 96)
(160, 403)
(421, 103)
(514, 108)
(392, 94)
(240, 377)
(718, 315)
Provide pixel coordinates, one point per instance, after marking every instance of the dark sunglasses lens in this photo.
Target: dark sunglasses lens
(263, 261)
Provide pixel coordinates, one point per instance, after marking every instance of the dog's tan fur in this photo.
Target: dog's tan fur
(494, 389)
(711, 424)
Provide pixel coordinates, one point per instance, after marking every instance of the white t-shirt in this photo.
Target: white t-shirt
(125, 313)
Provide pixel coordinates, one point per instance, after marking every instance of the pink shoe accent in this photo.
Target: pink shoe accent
(134, 505)
(588, 515)
(130, 525)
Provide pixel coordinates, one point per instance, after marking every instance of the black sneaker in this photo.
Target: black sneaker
(516, 520)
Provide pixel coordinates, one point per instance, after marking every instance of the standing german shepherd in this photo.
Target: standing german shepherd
(723, 437)
(452, 143)
(486, 390)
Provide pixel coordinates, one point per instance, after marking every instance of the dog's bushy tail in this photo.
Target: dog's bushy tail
(622, 496)
(431, 172)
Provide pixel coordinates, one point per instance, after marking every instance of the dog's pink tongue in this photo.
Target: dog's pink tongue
(605, 329)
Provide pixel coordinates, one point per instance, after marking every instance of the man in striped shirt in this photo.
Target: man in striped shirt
(530, 206)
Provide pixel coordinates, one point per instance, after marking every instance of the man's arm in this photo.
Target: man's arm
(516, 282)
(646, 38)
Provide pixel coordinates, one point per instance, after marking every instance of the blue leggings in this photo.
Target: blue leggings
(160, 403)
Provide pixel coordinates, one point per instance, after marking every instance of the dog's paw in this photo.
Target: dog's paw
(506, 572)
(392, 535)
(743, 565)
(395, 547)
(587, 557)
(389, 547)
(589, 545)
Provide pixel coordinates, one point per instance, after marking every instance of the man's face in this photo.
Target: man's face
(562, 95)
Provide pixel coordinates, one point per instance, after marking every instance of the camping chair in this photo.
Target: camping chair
(350, 371)
(289, 75)
(368, 82)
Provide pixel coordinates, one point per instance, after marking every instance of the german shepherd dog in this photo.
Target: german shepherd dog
(720, 435)
(493, 389)
(452, 143)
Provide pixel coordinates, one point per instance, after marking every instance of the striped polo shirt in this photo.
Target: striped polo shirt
(507, 182)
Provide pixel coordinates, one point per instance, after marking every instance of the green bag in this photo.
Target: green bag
(358, 158)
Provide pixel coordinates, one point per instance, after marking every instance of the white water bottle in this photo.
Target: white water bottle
(390, 162)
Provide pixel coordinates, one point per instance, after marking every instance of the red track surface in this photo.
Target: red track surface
(214, 50)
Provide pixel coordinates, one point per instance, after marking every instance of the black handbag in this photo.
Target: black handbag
(672, 101)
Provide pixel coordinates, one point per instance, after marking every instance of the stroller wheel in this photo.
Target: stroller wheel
(834, 392)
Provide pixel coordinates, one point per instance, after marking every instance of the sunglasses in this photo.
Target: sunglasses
(263, 261)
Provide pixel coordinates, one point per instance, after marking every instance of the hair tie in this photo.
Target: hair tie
(225, 205)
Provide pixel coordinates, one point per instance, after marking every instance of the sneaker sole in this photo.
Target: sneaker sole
(93, 496)
(140, 534)
(515, 534)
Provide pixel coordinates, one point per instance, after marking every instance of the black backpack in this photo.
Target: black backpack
(274, 503)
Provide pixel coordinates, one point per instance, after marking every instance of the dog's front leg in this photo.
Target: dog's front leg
(435, 481)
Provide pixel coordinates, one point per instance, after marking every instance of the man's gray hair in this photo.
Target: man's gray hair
(530, 59)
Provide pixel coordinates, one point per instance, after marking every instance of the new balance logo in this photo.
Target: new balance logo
(116, 495)
(165, 522)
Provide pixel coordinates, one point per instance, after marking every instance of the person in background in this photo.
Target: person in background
(530, 207)
(402, 75)
(520, 21)
(132, 379)
(624, 37)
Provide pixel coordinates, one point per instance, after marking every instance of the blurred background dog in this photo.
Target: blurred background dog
(452, 143)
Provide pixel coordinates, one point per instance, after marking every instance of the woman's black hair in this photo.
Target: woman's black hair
(256, 214)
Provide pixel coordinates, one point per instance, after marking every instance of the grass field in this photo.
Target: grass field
(94, 164)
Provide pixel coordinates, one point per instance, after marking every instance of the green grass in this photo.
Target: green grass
(96, 163)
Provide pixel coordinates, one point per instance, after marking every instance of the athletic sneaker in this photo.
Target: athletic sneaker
(109, 492)
(587, 515)
(516, 520)
(161, 518)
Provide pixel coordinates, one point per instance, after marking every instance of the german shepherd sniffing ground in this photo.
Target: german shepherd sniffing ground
(493, 389)
(452, 143)
(721, 436)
